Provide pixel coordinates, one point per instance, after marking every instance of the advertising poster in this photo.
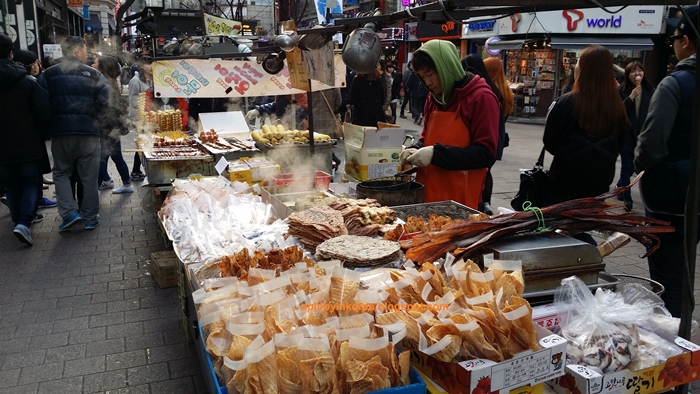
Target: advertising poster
(227, 78)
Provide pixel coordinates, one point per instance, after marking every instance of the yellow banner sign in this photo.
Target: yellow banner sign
(216, 26)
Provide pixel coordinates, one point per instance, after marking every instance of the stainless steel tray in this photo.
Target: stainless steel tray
(605, 280)
(454, 210)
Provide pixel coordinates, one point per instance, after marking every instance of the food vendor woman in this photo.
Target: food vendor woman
(460, 133)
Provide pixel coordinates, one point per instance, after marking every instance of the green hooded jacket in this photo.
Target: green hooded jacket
(449, 67)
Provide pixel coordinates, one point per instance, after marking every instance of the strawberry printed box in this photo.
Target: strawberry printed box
(677, 370)
(488, 377)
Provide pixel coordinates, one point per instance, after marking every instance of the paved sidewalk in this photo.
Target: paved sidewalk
(79, 312)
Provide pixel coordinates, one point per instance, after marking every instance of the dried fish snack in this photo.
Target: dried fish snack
(359, 251)
(315, 225)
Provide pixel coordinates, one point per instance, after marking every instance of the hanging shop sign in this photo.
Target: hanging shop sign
(391, 34)
(76, 3)
(204, 78)
(491, 51)
(216, 26)
(410, 31)
(481, 29)
(446, 31)
(646, 20)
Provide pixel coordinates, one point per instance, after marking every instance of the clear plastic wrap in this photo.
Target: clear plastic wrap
(601, 328)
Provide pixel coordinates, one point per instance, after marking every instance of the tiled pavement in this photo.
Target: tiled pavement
(80, 314)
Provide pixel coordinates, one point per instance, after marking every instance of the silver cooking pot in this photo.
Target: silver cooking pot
(362, 50)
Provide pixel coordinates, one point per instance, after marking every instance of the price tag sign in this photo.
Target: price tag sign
(221, 165)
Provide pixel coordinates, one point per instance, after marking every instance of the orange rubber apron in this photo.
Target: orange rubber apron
(464, 187)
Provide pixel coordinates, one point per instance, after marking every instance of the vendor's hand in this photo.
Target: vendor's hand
(422, 157)
(252, 114)
(405, 154)
(635, 92)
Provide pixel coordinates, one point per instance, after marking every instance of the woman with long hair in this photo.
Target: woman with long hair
(475, 65)
(636, 92)
(585, 131)
(112, 128)
(367, 96)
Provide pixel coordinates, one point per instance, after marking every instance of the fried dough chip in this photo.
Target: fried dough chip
(237, 383)
(324, 370)
(288, 369)
(364, 386)
(439, 331)
(238, 345)
(308, 380)
(437, 281)
(511, 287)
(522, 329)
(287, 387)
(475, 342)
(377, 370)
(405, 367)
(412, 328)
(252, 383)
(218, 342)
(267, 370)
(356, 371)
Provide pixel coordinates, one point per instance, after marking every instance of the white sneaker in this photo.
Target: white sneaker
(106, 185)
(123, 189)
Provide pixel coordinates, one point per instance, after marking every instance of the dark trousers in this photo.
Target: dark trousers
(626, 171)
(137, 164)
(23, 185)
(113, 148)
(666, 265)
(406, 100)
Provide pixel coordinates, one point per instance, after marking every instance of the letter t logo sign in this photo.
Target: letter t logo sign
(571, 23)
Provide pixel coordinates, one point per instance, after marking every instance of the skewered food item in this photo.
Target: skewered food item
(213, 140)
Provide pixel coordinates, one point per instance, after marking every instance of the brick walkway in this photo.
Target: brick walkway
(79, 312)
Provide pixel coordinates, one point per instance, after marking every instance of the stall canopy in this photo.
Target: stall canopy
(612, 42)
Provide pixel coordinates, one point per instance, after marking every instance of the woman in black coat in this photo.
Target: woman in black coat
(636, 92)
(367, 97)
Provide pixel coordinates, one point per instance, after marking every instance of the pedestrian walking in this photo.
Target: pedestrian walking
(79, 95)
(636, 92)
(140, 83)
(112, 127)
(367, 98)
(24, 118)
(395, 89)
(386, 81)
(584, 132)
(406, 92)
(663, 153)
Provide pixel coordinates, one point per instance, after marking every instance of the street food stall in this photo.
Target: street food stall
(262, 289)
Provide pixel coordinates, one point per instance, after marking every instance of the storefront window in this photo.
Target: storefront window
(532, 74)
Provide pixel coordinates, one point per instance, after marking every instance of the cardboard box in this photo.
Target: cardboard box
(434, 388)
(525, 369)
(546, 316)
(256, 170)
(582, 380)
(371, 163)
(163, 268)
(371, 137)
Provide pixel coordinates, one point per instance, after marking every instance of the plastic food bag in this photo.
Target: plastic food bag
(601, 328)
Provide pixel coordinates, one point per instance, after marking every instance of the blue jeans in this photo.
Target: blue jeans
(666, 265)
(626, 171)
(23, 185)
(112, 148)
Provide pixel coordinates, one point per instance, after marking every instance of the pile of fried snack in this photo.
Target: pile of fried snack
(319, 328)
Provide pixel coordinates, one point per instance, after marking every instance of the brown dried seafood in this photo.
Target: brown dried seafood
(316, 225)
(359, 251)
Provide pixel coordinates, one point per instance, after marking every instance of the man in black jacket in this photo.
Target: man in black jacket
(663, 153)
(24, 117)
(78, 95)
